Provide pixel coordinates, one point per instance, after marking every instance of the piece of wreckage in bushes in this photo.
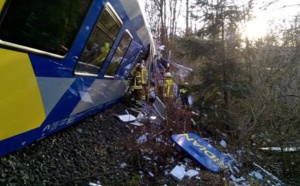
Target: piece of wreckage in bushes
(151, 115)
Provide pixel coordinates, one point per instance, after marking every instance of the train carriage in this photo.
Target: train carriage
(62, 61)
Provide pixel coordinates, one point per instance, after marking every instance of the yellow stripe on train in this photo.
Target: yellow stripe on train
(21, 106)
(1, 4)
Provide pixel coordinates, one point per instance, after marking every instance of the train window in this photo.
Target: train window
(99, 44)
(42, 25)
(119, 54)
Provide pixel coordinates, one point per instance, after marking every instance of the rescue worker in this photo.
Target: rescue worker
(184, 95)
(151, 94)
(168, 87)
(104, 51)
(137, 86)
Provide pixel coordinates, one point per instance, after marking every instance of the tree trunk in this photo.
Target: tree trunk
(224, 56)
(187, 18)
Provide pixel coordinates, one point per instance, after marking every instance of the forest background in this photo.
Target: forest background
(245, 86)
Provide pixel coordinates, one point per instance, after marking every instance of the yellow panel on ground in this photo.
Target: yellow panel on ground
(1, 4)
(21, 106)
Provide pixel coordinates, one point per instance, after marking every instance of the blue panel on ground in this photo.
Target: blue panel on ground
(201, 151)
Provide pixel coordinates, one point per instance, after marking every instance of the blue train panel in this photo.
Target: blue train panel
(202, 152)
(65, 63)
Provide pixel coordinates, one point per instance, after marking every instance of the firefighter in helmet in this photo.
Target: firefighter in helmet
(103, 53)
(184, 95)
(137, 84)
(168, 87)
(151, 92)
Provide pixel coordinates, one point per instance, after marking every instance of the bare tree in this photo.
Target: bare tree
(165, 13)
(187, 18)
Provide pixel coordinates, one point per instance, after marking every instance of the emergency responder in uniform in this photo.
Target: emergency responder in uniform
(103, 53)
(168, 93)
(151, 93)
(137, 87)
(184, 95)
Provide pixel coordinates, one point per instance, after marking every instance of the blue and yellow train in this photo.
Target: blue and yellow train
(64, 60)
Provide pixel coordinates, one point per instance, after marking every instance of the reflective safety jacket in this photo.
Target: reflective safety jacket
(183, 90)
(104, 51)
(143, 75)
(168, 88)
(137, 80)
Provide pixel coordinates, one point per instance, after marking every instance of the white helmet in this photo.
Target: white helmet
(168, 74)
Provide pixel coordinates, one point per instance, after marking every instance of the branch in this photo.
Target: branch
(283, 96)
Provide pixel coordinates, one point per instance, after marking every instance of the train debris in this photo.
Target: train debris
(179, 172)
(202, 152)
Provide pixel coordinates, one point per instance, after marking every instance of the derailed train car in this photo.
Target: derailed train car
(62, 61)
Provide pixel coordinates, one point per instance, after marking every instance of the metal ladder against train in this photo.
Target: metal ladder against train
(157, 109)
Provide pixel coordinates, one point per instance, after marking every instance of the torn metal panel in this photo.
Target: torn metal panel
(160, 107)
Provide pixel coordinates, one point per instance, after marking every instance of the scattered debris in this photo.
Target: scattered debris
(232, 164)
(237, 180)
(256, 175)
(136, 123)
(79, 130)
(194, 123)
(223, 143)
(146, 158)
(142, 139)
(123, 165)
(159, 107)
(187, 160)
(191, 173)
(151, 174)
(178, 172)
(146, 115)
(275, 180)
(95, 184)
(280, 149)
(126, 117)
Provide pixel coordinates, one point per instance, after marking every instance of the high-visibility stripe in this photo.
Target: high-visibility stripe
(143, 75)
(168, 88)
